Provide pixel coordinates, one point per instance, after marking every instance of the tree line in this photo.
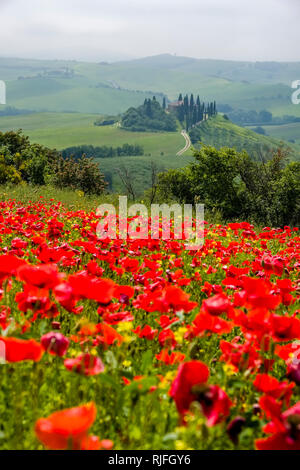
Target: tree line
(103, 151)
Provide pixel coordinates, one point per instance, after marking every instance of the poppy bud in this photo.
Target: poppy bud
(294, 373)
(124, 299)
(56, 325)
(55, 343)
(234, 428)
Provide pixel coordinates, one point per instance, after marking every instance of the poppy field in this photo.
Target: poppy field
(143, 344)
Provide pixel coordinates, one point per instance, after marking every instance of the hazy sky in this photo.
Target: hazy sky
(119, 29)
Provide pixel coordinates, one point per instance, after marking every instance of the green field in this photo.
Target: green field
(65, 130)
(63, 86)
(288, 132)
(59, 131)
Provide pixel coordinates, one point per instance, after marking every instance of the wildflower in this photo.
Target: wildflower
(17, 350)
(55, 343)
(67, 429)
(190, 385)
(85, 364)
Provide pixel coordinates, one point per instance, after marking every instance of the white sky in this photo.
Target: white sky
(119, 29)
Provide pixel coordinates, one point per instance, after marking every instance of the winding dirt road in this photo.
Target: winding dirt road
(188, 143)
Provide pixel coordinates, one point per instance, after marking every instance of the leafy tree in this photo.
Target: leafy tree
(83, 173)
(265, 116)
(150, 116)
(230, 182)
(21, 161)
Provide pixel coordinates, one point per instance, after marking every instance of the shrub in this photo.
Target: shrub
(232, 183)
(83, 173)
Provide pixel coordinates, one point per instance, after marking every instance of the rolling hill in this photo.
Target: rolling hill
(66, 130)
(60, 131)
(110, 88)
(288, 132)
(220, 132)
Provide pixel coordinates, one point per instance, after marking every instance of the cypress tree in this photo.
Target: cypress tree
(181, 113)
(148, 108)
(186, 103)
(195, 116)
(192, 102)
(187, 122)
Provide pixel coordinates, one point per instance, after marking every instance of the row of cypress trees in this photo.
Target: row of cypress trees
(190, 111)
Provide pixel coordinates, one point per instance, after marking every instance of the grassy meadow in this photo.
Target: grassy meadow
(63, 86)
(288, 132)
(60, 131)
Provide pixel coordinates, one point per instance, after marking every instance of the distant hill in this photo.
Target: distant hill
(220, 132)
(63, 86)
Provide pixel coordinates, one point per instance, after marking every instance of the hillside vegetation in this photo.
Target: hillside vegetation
(150, 116)
(219, 132)
(112, 88)
(288, 132)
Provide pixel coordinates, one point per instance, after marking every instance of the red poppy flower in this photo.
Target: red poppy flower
(44, 276)
(190, 386)
(284, 427)
(55, 343)
(17, 350)
(205, 322)
(146, 332)
(118, 317)
(95, 443)
(258, 294)
(9, 265)
(216, 305)
(66, 429)
(169, 359)
(273, 265)
(166, 338)
(271, 386)
(87, 287)
(108, 335)
(65, 295)
(85, 364)
(284, 328)
(124, 293)
(215, 404)
(37, 300)
(242, 356)
(177, 299)
(189, 375)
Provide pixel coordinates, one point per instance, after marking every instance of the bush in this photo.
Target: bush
(230, 182)
(83, 173)
(29, 161)
(21, 161)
